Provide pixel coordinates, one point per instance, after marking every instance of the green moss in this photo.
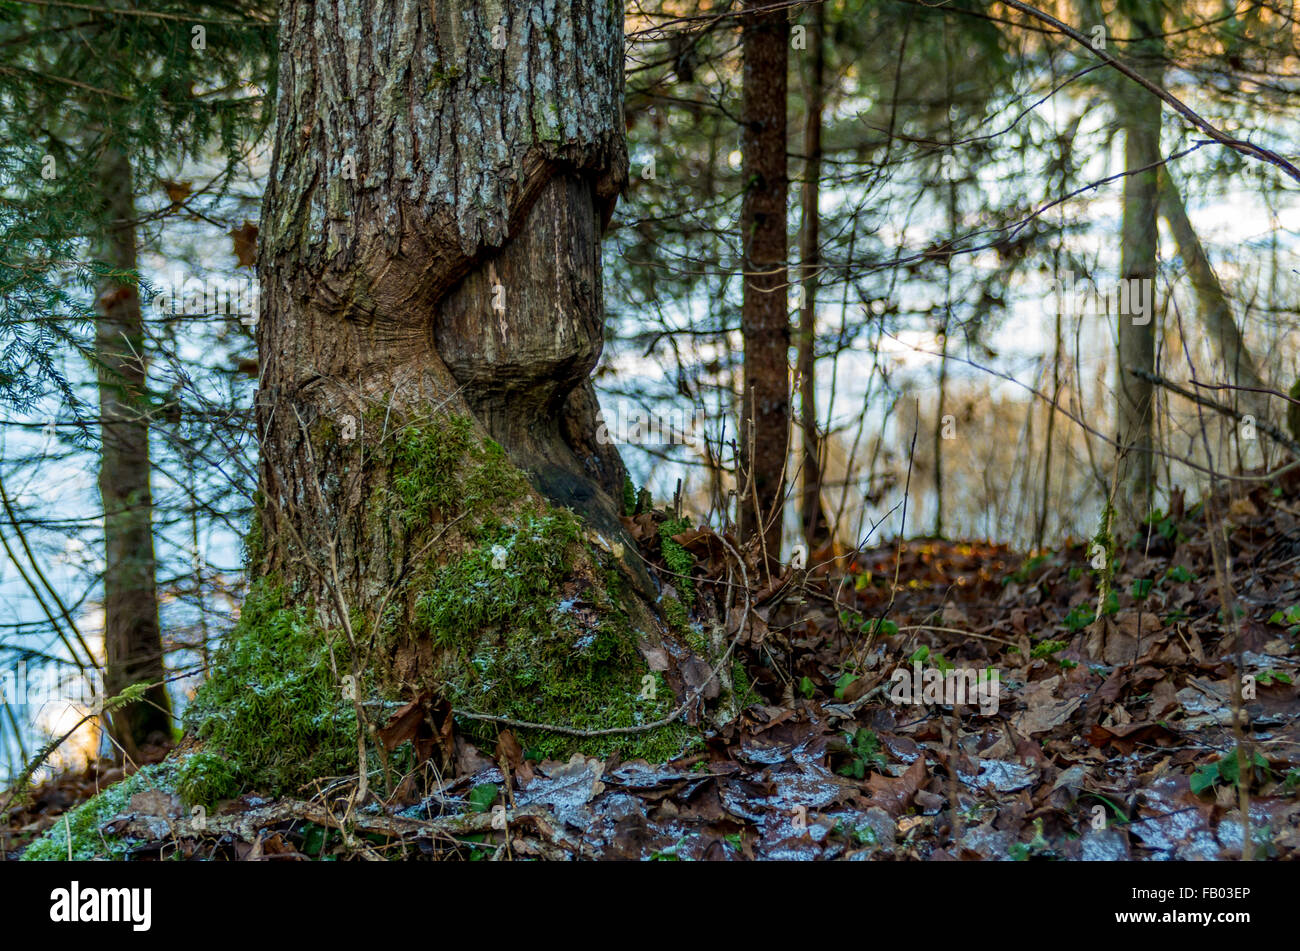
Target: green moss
(274, 705)
(675, 615)
(679, 622)
(741, 687)
(203, 778)
(512, 613)
(505, 578)
(445, 467)
(679, 560)
(525, 635)
(82, 825)
(629, 497)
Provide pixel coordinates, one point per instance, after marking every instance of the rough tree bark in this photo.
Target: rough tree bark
(132, 634)
(816, 531)
(765, 324)
(1139, 114)
(430, 253)
(431, 240)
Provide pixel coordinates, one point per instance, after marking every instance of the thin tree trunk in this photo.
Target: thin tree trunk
(816, 531)
(132, 633)
(765, 325)
(1139, 114)
(937, 527)
(1040, 526)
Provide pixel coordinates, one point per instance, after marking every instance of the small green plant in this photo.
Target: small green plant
(482, 796)
(1224, 772)
(865, 754)
(1290, 618)
(884, 627)
(1080, 616)
(1038, 845)
(1180, 574)
(845, 680)
(1166, 526)
(1268, 677)
(670, 854)
(863, 835)
(1045, 649)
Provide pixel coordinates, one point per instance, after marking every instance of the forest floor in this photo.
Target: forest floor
(1110, 737)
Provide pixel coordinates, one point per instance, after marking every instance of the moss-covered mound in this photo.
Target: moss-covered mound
(509, 607)
(274, 705)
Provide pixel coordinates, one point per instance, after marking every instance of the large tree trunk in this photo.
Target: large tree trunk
(816, 531)
(430, 257)
(132, 634)
(1139, 114)
(765, 324)
(431, 244)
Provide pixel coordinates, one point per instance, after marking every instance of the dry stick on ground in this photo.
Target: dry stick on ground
(952, 630)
